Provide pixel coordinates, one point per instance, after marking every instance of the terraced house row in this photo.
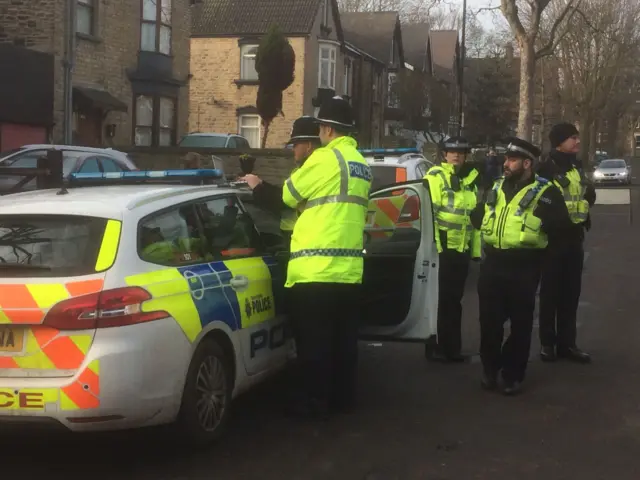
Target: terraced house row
(146, 72)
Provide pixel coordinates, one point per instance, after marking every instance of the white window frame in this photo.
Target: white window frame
(330, 62)
(244, 52)
(241, 127)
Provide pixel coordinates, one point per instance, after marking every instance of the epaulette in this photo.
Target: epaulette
(541, 180)
(434, 171)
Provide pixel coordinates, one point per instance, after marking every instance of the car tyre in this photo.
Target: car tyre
(206, 398)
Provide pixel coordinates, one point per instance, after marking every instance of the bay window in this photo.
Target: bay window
(155, 121)
(327, 67)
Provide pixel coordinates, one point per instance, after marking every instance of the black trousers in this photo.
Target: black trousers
(559, 296)
(325, 324)
(506, 293)
(452, 276)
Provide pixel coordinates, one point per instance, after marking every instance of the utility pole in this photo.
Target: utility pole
(68, 64)
(463, 54)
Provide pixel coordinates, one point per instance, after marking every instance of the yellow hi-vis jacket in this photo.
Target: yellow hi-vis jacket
(513, 225)
(573, 187)
(289, 217)
(452, 207)
(333, 188)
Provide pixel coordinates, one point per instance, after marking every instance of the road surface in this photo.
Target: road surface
(418, 420)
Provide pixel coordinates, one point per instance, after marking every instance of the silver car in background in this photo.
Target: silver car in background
(612, 171)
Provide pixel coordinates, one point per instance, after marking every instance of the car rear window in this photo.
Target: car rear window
(203, 141)
(384, 175)
(49, 245)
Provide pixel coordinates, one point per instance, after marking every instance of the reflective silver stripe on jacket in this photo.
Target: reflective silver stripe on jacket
(327, 252)
(294, 193)
(343, 196)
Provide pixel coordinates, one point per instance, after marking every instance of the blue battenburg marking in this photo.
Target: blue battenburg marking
(211, 298)
(360, 170)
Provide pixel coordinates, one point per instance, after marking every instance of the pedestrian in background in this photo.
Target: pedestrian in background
(562, 274)
(520, 215)
(453, 188)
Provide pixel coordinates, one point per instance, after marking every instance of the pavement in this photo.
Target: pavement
(418, 421)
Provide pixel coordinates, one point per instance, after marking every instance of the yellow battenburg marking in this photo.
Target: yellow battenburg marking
(171, 293)
(46, 295)
(95, 367)
(109, 246)
(256, 302)
(66, 403)
(35, 357)
(83, 342)
(3, 318)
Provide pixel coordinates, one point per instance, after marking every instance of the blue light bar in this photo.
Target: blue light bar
(388, 151)
(150, 175)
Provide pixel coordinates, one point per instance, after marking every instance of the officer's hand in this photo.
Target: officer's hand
(251, 180)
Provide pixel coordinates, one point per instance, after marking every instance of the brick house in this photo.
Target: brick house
(130, 74)
(379, 35)
(224, 43)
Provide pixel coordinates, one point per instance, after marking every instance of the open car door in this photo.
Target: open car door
(400, 282)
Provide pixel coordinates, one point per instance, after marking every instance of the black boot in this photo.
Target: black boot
(511, 389)
(489, 381)
(548, 354)
(574, 354)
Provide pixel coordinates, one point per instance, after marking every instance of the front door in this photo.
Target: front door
(400, 282)
(88, 131)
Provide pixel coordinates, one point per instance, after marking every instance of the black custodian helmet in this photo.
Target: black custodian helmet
(305, 129)
(337, 113)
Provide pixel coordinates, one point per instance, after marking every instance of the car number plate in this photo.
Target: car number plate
(11, 339)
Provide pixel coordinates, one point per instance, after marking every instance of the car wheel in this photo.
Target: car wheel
(207, 394)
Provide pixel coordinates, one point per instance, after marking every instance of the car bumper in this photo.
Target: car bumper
(132, 377)
(611, 181)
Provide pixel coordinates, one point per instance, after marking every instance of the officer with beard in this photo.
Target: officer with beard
(520, 215)
(305, 138)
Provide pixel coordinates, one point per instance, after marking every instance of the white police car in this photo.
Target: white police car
(127, 305)
(395, 165)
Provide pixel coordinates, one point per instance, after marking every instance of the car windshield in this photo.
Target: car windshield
(613, 164)
(6, 153)
(204, 141)
(383, 175)
(49, 245)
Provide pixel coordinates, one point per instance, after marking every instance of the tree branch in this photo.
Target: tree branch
(554, 38)
(510, 12)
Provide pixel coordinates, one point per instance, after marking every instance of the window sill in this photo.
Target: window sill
(240, 83)
(89, 38)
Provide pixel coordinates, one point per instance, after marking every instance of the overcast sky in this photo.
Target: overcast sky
(487, 18)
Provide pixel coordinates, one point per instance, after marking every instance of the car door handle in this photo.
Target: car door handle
(239, 282)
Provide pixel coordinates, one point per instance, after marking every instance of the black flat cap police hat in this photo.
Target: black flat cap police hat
(456, 144)
(519, 148)
(337, 113)
(305, 129)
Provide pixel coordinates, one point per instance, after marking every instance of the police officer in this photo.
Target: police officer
(562, 273)
(520, 215)
(304, 140)
(453, 187)
(325, 267)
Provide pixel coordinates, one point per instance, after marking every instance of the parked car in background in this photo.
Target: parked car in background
(395, 165)
(612, 171)
(214, 140)
(75, 159)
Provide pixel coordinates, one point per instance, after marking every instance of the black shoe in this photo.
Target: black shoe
(489, 382)
(548, 354)
(437, 355)
(511, 389)
(574, 354)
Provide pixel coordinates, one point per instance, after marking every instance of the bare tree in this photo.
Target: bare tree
(525, 18)
(599, 69)
(411, 11)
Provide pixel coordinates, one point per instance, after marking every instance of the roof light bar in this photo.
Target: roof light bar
(150, 175)
(388, 151)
